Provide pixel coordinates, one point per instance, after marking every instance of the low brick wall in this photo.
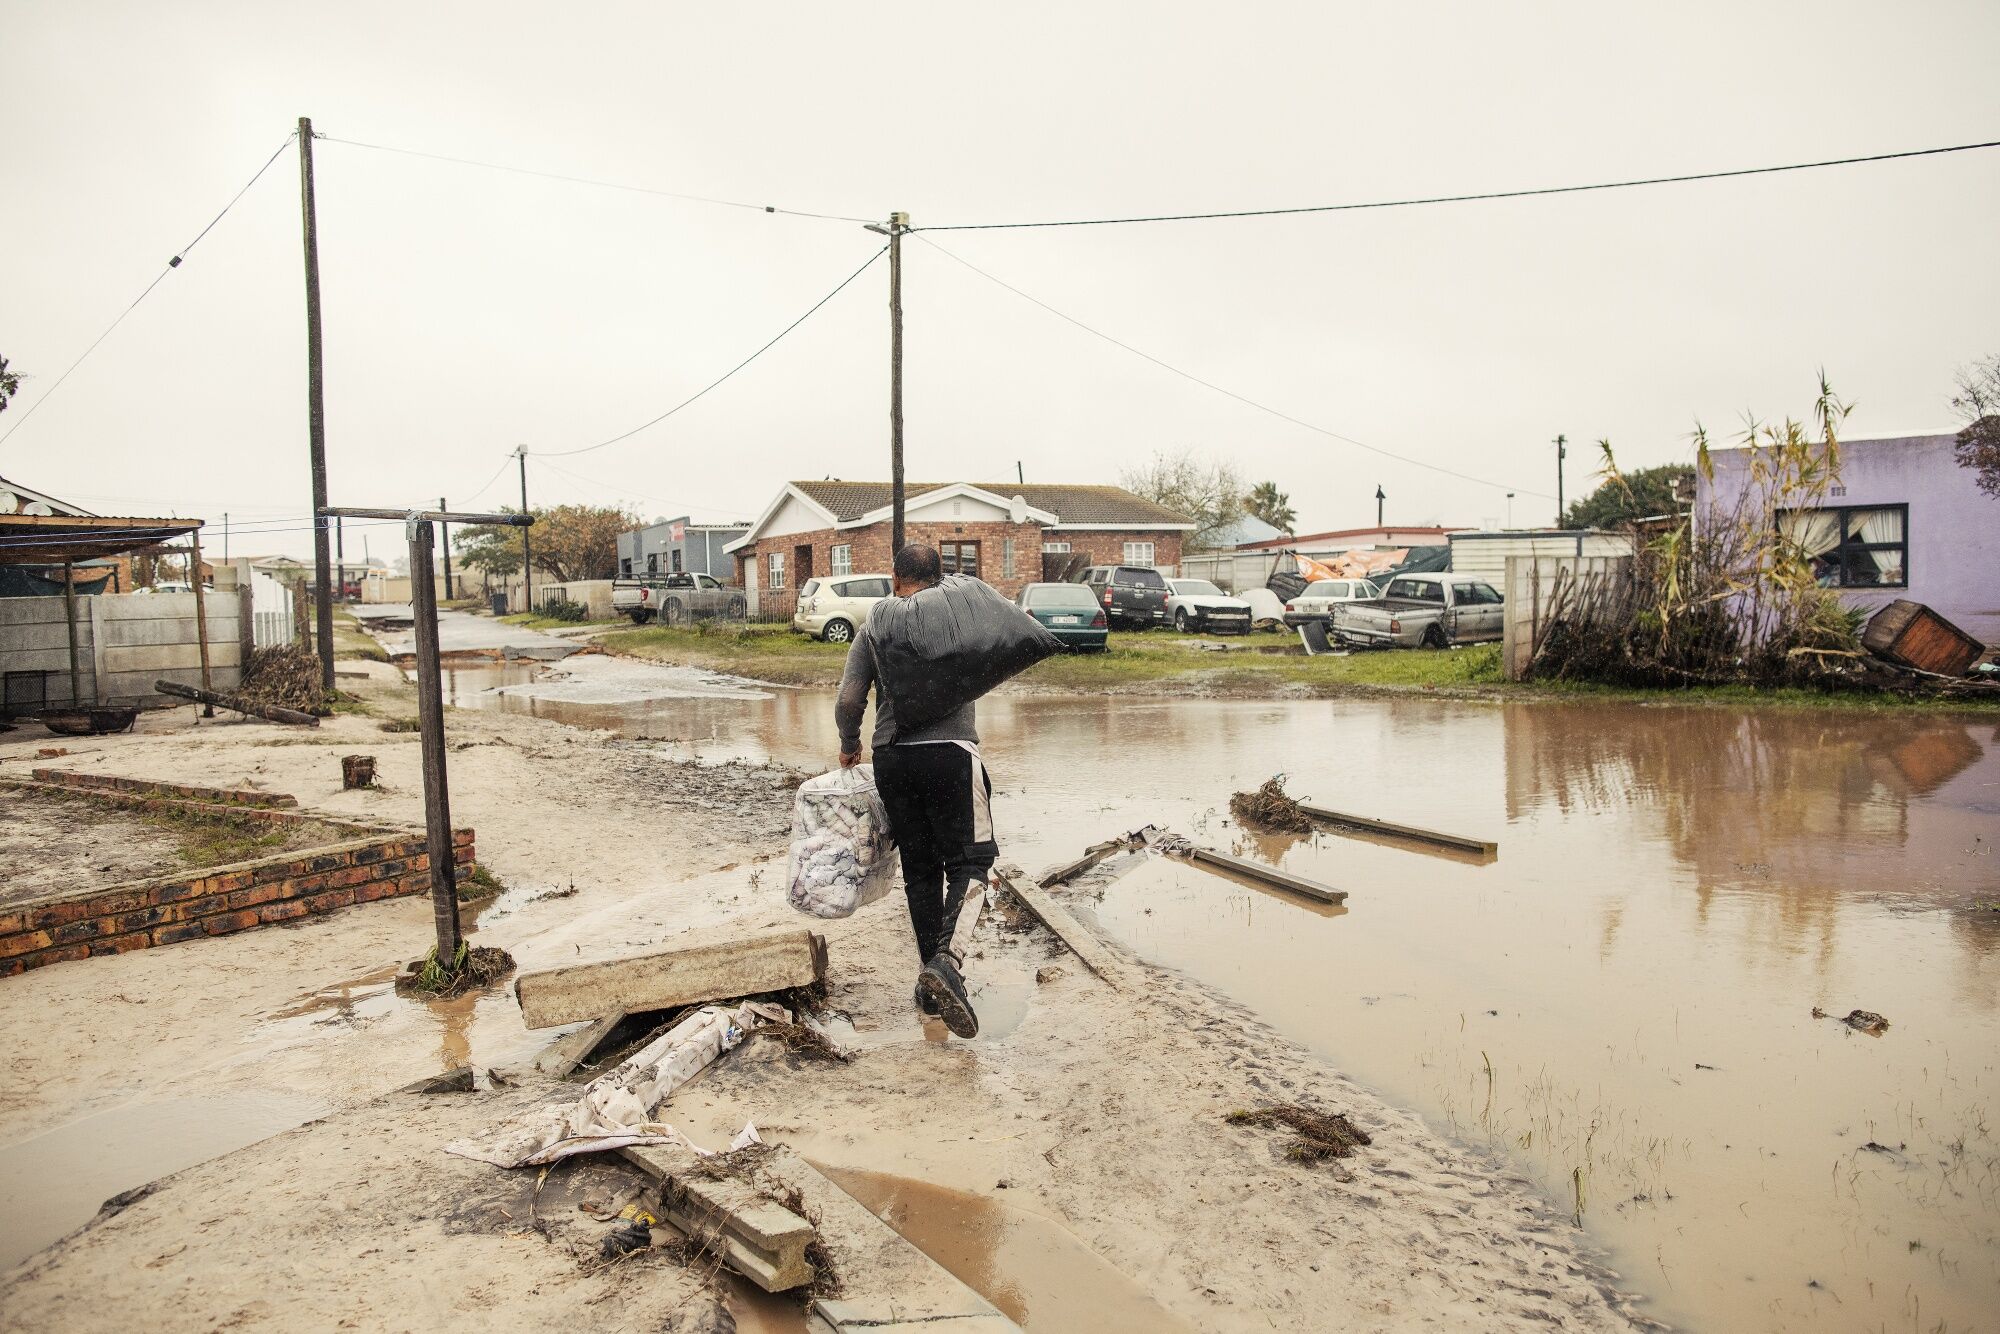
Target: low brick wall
(380, 862)
(145, 787)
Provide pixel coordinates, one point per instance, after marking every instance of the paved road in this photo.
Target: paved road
(461, 631)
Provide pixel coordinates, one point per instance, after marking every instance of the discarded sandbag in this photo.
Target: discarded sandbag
(840, 844)
(938, 650)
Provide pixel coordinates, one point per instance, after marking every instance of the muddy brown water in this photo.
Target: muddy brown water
(1619, 1005)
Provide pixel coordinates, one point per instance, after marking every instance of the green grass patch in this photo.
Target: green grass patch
(537, 621)
(351, 641)
(477, 883)
(204, 839)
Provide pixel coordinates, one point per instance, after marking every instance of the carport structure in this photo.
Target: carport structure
(45, 540)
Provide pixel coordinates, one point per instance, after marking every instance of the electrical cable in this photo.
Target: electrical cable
(1229, 393)
(565, 453)
(1468, 198)
(587, 180)
(172, 264)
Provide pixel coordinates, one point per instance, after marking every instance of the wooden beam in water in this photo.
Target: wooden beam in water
(1270, 875)
(1399, 830)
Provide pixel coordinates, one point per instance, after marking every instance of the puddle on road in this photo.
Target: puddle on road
(1676, 889)
(1033, 1269)
(54, 1183)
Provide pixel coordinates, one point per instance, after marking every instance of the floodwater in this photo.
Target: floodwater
(1619, 1005)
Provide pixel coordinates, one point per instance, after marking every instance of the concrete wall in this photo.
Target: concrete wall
(593, 594)
(1954, 528)
(125, 642)
(1528, 583)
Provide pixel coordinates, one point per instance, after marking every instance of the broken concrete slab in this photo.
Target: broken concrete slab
(561, 1057)
(1086, 947)
(755, 1235)
(700, 966)
(886, 1283)
(1269, 874)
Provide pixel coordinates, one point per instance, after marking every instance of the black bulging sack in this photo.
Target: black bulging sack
(937, 651)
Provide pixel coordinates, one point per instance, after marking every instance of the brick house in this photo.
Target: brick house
(998, 531)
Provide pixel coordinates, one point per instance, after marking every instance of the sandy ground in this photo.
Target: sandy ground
(1102, 1112)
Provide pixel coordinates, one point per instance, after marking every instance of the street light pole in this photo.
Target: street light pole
(527, 556)
(1562, 452)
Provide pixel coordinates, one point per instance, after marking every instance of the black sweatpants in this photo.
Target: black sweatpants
(939, 802)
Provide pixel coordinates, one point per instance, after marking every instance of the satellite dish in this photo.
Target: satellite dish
(38, 509)
(9, 502)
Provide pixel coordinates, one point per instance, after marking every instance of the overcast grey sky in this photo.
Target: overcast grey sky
(468, 310)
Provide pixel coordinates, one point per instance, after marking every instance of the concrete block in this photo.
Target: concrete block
(700, 966)
(1071, 932)
(757, 1236)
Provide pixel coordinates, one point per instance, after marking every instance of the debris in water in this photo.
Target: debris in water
(1320, 1135)
(1269, 809)
(1861, 1021)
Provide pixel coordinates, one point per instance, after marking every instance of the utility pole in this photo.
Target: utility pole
(339, 564)
(527, 561)
(1510, 509)
(316, 411)
(897, 225)
(430, 714)
(1562, 452)
(444, 544)
(225, 537)
(1379, 498)
(1020, 476)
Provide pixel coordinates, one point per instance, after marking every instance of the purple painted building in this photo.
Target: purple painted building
(1904, 521)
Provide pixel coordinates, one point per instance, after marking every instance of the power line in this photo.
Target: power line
(588, 180)
(1469, 198)
(172, 264)
(1227, 393)
(565, 453)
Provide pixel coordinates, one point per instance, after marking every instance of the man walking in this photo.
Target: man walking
(938, 797)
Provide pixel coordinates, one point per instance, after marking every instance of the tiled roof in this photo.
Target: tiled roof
(1070, 504)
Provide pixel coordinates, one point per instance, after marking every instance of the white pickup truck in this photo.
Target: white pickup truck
(676, 598)
(1422, 610)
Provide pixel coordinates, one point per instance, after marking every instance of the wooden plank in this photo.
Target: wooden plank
(1096, 853)
(1311, 889)
(700, 966)
(1071, 932)
(1398, 830)
(758, 1237)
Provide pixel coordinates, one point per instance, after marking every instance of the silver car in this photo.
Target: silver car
(1317, 601)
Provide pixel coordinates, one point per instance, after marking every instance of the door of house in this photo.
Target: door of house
(960, 558)
(802, 565)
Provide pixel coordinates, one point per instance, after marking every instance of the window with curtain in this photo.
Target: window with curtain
(1853, 546)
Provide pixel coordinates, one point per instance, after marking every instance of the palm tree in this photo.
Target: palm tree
(1271, 505)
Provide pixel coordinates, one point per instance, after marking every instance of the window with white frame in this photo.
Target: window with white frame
(1055, 548)
(1007, 559)
(1139, 553)
(777, 569)
(842, 559)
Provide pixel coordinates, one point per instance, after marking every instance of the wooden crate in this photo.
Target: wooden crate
(1914, 635)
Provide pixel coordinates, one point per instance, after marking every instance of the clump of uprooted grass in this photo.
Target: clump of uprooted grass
(475, 966)
(1317, 1136)
(286, 676)
(1270, 809)
(804, 1041)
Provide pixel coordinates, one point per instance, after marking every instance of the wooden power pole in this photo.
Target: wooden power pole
(527, 556)
(444, 545)
(316, 413)
(898, 224)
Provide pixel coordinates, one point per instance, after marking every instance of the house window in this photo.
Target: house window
(960, 558)
(777, 570)
(1055, 548)
(1007, 559)
(842, 560)
(676, 558)
(1139, 553)
(1853, 547)
(653, 563)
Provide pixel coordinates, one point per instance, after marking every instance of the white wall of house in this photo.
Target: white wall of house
(794, 516)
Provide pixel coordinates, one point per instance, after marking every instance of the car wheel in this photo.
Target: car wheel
(674, 612)
(1181, 620)
(641, 617)
(1434, 636)
(838, 632)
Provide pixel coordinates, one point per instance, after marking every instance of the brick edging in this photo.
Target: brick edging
(227, 796)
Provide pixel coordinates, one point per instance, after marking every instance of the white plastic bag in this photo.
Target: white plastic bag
(842, 852)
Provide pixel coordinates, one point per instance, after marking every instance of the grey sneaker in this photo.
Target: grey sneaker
(945, 989)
